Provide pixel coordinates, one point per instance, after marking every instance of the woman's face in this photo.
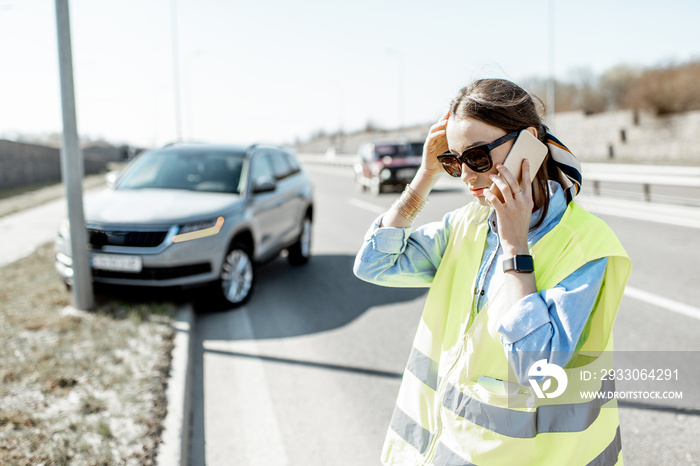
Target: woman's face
(464, 133)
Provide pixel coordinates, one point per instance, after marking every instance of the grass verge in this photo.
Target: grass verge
(78, 388)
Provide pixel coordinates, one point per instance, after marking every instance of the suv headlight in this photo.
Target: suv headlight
(196, 230)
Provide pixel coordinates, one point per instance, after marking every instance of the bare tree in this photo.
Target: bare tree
(617, 84)
(669, 89)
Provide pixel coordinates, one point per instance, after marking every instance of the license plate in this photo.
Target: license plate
(406, 173)
(116, 263)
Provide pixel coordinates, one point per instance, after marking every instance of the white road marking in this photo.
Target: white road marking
(239, 414)
(669, 304)
(367, 205)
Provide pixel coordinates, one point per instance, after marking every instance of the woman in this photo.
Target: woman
(522, 282)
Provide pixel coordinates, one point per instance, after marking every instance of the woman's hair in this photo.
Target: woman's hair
(504, 104)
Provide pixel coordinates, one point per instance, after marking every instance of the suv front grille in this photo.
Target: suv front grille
(138, 239)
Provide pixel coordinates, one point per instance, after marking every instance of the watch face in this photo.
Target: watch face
(524, 264)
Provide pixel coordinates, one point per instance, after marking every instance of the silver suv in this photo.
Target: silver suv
(196, 214)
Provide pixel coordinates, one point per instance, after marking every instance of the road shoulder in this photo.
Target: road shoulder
(174, 449)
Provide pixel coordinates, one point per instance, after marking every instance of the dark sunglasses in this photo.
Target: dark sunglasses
(477, 158)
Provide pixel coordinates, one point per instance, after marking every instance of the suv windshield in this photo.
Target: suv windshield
(192, 169)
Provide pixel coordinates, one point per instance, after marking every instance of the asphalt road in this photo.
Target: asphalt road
(307, 372)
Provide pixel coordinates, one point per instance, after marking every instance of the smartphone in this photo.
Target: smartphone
(527, 147)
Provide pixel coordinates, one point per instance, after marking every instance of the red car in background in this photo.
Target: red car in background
(386, 164)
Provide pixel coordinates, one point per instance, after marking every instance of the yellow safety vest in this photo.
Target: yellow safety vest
(445, 416)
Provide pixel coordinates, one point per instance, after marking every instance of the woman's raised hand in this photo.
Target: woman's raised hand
(428, 174)
(435, 144)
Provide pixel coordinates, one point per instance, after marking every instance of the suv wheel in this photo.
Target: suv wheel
(300, 252)
(237, 275)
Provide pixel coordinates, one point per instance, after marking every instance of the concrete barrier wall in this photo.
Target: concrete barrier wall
(22, 164)
(632, 137)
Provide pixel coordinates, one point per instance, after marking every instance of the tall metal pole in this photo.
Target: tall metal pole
(400, 89)
(189, 110)
(551, 82)
(341, 103)
(340, 137)
(72, 169)
(402, 102)
(176, 72)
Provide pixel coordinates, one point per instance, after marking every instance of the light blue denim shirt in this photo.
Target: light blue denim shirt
(544, 325)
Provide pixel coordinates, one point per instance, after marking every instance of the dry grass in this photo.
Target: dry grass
(667, 90)
(78, 388)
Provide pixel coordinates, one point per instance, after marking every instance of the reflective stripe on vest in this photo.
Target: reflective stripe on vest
(424, 368)
(570, 417)
(446, 457)
(611, 452)
(413, 433)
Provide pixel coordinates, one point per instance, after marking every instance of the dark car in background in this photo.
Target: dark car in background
(386, 164)
(196, 214)
(417, 147)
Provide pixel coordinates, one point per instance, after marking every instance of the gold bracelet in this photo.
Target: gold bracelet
(409, 204)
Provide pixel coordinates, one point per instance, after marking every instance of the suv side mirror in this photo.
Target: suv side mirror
(264, 184)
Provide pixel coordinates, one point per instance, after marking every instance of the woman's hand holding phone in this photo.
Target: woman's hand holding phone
(511, 192)
(513, 209)
(526, 147)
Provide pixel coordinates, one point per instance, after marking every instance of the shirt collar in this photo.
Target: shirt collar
(557, 206)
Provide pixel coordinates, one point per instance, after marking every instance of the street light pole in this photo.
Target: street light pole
(400, 90)
(189, 109)
(551, 82)
(176, 72)
(72, 170)
(340, 136)
(341, 104)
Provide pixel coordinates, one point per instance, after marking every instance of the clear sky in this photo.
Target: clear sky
(276, 70)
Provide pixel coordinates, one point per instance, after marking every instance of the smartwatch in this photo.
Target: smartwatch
(521, 263)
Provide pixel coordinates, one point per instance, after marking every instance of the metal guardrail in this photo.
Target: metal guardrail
(597, 173)
(644, 175)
